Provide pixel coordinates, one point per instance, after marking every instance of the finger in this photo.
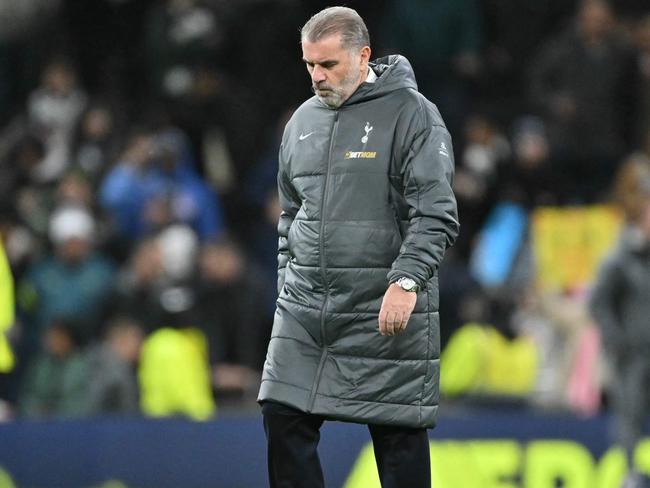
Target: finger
(396, 326)
(382, 321)
(397, 323)
(391, 319)
(405, 319)
(404, 322)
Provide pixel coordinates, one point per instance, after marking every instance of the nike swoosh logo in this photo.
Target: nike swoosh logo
(302, 137)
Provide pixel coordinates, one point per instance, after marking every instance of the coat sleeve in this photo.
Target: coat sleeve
(289, 203)
(603, 304)
(433, 222)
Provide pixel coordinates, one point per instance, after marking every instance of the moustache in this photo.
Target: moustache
(316, 87)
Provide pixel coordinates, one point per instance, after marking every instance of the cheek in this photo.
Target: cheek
(341, 76)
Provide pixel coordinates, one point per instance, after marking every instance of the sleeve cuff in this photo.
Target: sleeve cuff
(395, 274)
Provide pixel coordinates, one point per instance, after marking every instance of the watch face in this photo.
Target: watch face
(406, 283)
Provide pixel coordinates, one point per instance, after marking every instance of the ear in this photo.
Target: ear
(365, 54)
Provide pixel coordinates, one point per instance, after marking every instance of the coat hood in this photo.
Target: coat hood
(394, 72)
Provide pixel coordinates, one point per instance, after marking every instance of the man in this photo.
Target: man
(74, 281)
(113, 385)
(619, 304)
(583, 81)
(367, 213)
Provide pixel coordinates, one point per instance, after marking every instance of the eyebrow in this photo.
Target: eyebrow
(328, 63)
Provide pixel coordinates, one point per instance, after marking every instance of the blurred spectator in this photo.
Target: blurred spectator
(75, 190)
(262, 178)
(482, 355)
(486, 148)
(261, 244)
(643, 65)
(34, 203)
(17, 168)
(250, 103)
(486, 151)
(174, 374)
(229, 299)
(19, 242)
(95, 143)
(7, 319)
(507, 53)
(179, 248)
(53, 111)
(532, 318)
(74, 281)
(148, 286)
(583, 81)
(185, 55)
(113, 387)
(620, 306)
(456, 284)
(528, 177)
(25, 201)
(19, 18)
(56, 382)
(183, 38)
(559, 325)
(139, 284)
(479, 360)
(629, 192)
(155, 289)
(155, 185)
(7, 312)
(443, 41)
(260, 198)
(27, 37)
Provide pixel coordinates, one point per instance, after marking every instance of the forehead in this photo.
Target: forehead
(327, 48)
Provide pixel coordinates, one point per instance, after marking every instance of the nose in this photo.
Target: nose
(318, 74)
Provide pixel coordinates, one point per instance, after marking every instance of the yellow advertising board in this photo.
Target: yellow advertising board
(570, 242)
(506, 463)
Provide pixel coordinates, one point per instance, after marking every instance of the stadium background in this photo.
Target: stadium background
(138, 143)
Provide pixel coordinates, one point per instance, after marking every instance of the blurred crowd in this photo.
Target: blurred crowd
(138, 156)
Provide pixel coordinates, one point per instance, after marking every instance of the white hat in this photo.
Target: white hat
(71, 222)
(179, 246)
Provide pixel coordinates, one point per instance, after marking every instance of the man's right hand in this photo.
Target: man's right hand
(396, 309)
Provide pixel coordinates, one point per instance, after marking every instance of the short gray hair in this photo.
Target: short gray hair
(337, 20)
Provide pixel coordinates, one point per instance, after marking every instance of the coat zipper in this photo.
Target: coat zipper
(321, 364)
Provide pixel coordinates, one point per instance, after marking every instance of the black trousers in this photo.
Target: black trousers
(402, 453)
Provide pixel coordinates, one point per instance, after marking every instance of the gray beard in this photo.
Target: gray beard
(337, 97)
(333, 100)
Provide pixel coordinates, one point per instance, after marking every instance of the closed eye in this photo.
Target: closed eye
(324, 64)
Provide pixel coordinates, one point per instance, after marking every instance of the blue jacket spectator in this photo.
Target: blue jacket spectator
(155, 185)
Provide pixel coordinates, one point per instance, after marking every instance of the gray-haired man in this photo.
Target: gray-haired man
(368, 211)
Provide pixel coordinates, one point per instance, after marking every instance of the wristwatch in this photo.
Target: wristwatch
(407, 284)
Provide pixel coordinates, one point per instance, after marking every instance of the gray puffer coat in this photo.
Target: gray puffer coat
(366, 197)
(620, 300)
